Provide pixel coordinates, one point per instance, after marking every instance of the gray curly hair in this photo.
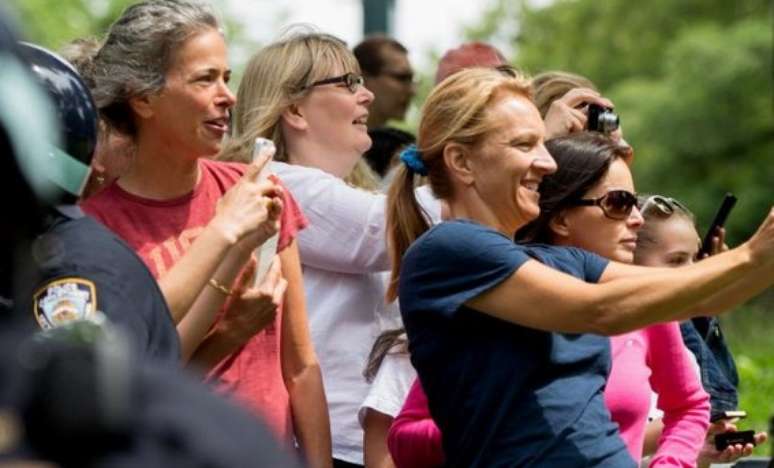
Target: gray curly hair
(137, 52)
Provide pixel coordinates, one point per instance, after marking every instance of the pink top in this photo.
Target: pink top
(414, 440)
(656, 359)
(161, 231)
(653, 358)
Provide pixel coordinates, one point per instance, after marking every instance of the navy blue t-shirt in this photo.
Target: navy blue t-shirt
(503, 394)
(83, 267)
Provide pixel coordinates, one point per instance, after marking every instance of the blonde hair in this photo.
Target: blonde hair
(549, 86)
(276, 77)
(455, 112)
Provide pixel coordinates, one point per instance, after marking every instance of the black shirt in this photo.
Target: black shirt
(85, 268)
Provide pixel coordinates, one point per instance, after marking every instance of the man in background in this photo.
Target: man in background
(388, 74)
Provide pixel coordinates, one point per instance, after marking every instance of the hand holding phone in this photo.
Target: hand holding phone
(718, 222)
(726, 439)
(265, 253)
(729, 416)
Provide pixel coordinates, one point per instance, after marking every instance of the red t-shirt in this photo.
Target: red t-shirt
(161, 231)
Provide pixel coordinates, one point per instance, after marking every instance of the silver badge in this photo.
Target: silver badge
(63, 301)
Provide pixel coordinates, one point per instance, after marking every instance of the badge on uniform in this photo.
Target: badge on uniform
(63, 301)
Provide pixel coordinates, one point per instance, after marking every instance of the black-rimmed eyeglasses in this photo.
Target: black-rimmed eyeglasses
(352, 81)
(615, 204)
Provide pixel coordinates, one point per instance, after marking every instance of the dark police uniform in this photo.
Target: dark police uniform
(85, 268)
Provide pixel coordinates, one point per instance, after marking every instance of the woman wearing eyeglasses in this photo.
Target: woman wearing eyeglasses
(305, 92)
(505, 337)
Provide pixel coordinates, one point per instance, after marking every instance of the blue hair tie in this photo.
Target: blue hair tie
(412, 158)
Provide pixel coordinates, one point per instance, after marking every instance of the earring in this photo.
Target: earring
(100, 179)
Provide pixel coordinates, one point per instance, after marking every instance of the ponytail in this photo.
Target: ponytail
(390, 340)
(406, 221)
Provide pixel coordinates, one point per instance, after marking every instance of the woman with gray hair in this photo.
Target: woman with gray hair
(161, 78)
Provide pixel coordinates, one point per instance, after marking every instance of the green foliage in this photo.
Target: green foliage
(691, 79)
(53, 23)
(705, 126)
(693, 83)
(748, 332)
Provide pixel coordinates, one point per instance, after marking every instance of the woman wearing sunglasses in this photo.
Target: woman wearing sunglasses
(305, 93)
(590, 203)
(669, 239)
(505, 337)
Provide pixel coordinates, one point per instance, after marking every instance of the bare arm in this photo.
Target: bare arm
(301, 370)
(248, 311)
(246, 214)
(195, 325)
(615, 306)
(376, 426)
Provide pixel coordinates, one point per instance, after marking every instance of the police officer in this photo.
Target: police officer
(85, 402)
(84, 268)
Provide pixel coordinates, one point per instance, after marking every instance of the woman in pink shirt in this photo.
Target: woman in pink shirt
(590, 203)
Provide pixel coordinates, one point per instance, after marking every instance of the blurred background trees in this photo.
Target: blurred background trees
(691, 79)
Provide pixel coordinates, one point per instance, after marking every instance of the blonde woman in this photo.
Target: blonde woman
(305, 92)
(505, 337)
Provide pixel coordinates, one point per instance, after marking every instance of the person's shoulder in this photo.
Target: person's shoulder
(226, 171)
(94, 250)
(453, 232)
(303, 178)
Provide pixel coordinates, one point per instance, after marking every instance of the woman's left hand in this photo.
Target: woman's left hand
(709, 454)
(718, 244)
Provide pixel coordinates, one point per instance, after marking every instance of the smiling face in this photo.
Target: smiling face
(673, 242)
(587, 227)
(190, 114)
(511, 161)
(334, 124)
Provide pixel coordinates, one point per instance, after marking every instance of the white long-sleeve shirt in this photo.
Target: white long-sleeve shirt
(343, 256)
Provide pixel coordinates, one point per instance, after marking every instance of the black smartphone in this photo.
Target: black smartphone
(718, 222)
(730, 416)
(722, 441)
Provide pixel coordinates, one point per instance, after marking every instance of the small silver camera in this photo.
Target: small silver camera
(602, 119)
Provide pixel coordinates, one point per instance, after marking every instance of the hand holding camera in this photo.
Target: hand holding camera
(568, 114)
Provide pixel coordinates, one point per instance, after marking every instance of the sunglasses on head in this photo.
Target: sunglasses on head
(350, 80)
(615, 204)
(665, 205)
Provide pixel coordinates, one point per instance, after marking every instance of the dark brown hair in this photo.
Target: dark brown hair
(390, 341)
(583, 159)
(369, 53)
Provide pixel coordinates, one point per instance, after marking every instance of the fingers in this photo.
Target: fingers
(246, 277)
(720, 427)
(761, 438)
(578, 97)
(255, 167)
(275, 209)
(578, 120)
